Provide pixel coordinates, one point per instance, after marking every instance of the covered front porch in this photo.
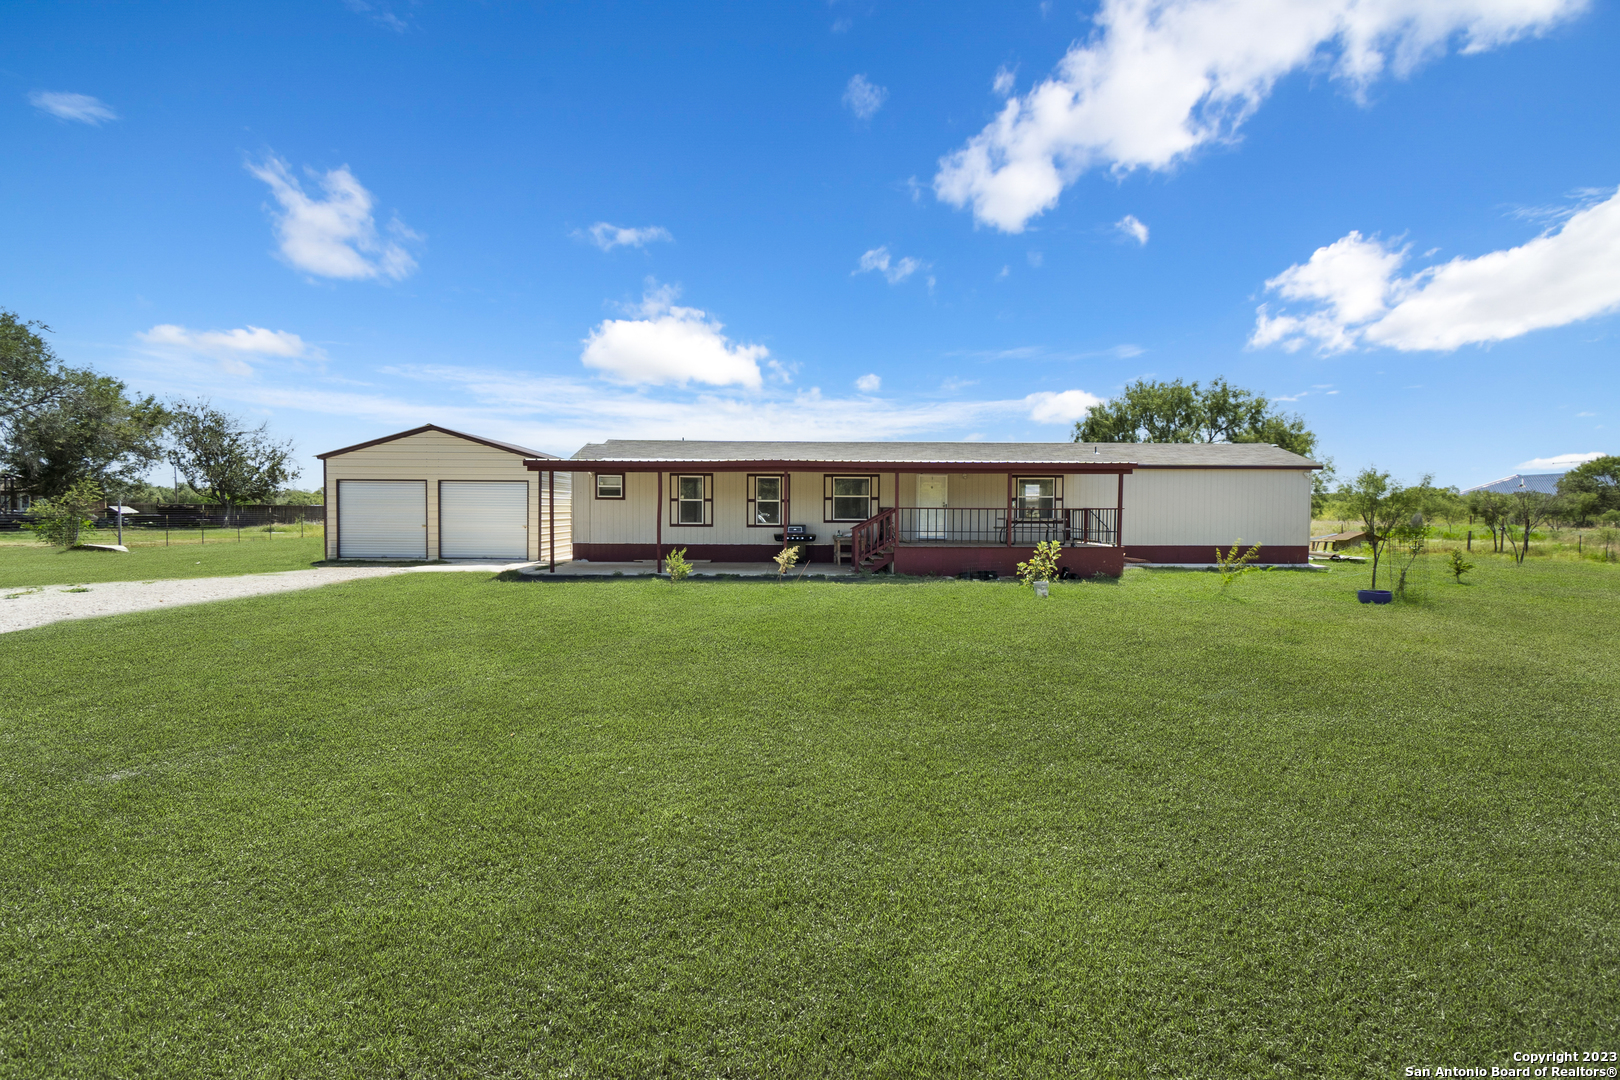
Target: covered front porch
(942, 517)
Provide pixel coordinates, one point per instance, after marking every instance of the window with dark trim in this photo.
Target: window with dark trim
(610, 485)
(1037, 498)
(767, 501)
(691, 500)
(850, 498)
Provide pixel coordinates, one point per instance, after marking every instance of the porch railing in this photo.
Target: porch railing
(874, 536)
(989, 526)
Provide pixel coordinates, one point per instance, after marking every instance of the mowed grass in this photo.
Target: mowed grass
(441, 825)
(24, 564)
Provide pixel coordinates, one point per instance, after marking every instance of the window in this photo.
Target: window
(690, 502)
(767, 501)
(1036, 498)
(850, 498)
(609, 486)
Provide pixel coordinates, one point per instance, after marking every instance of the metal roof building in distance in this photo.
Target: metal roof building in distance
(1539, 483)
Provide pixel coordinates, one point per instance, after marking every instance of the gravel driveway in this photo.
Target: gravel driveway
(26, 607)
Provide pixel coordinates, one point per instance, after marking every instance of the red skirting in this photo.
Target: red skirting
(950, 561)
(1205, 553)
(712, 552)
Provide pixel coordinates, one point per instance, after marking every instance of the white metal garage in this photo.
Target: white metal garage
(434, 493)
(483, 519)
(382, 519)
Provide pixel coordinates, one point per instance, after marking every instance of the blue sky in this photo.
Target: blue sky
(556, 224)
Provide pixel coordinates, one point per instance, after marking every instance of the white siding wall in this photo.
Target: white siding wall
(1217, 506)
(433, 456)
(1162, 506)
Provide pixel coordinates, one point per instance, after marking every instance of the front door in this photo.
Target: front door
(932, 496)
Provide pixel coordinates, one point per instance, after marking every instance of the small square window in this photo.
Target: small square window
(609, 486)
(1037, 498)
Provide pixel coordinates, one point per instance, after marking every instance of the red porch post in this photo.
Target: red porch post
(1009, 508)
(551, 517)
(1119, 514)
(658, 523)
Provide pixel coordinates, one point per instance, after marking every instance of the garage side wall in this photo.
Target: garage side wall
(433, 456)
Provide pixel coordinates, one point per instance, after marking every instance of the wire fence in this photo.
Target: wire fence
(190, 525)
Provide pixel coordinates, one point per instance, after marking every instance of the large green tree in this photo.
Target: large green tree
(1600, 477)
(220, 456)
(61, 425)
(1152, 411)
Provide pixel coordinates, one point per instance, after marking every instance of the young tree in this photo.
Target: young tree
(1151, 411)
(1382, 505)
(226, 460)
(1491, 507)
(59, 520)
(1526, 510)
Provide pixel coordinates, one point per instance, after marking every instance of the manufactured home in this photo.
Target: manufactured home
(910, 507)
(939, 508)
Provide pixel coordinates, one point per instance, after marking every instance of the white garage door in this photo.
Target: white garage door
(483, 519)
(382, 519)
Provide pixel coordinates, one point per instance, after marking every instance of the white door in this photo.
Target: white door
(483, 519)
(932, 492)
(382, 519)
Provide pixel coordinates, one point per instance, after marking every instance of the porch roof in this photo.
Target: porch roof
(638, 455)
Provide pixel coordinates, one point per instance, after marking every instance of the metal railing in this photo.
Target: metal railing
(989, 526)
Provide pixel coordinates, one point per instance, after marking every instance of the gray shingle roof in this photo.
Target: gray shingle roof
(1149, 455)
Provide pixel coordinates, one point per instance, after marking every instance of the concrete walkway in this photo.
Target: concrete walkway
(29, 606)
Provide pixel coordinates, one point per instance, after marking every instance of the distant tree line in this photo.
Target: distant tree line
(65, 428)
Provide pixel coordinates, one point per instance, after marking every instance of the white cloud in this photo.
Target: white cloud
(230, 347)
(1131, 227)
(671, 345)
(869, 384)
(864, 98)
(607, 237)
(335, 236)
(1047, 407)
(1353, 297)
(1006, 78)
(1559, 462)
(81, 107)
(1035, 258)
(895, 270)
(1161, 78)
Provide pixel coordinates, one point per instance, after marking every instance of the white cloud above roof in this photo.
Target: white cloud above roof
(77, 107)
(335, 235)
(607, 237)
(1558, 462)
(1348, 295)
(863, 97)
(1161, 78)
(671, 345)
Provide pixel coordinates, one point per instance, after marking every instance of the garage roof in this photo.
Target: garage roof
(512, 448)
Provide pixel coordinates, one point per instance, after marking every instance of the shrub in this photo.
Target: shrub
(1042, 565)
(675, 562)
(1232, 565)
(58, 521)
(785, 560)
(1459, 565)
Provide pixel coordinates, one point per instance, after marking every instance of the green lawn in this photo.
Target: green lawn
(24, 563)
(442, 825)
